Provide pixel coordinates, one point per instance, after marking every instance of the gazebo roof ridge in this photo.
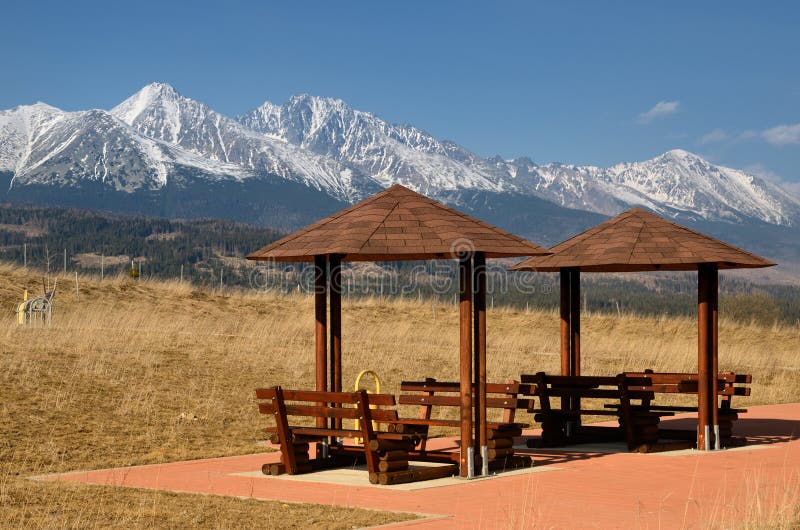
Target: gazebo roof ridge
(639, 240)
(396, 224)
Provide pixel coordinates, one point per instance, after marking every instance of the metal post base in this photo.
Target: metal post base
(484, 460)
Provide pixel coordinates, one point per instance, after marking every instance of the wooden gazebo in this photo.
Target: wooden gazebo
(399, 224)
(638, 240)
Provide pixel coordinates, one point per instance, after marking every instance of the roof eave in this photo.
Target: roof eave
(637, 267)
(362, 256)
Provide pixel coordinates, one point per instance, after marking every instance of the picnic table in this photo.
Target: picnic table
(630, 398)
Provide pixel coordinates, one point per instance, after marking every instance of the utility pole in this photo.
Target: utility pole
(102, 267)
(65, 261)
(25, 255)
(181, 273)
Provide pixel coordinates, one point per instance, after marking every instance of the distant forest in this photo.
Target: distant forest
(211, 252)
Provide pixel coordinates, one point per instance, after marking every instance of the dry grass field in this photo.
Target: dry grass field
(145, 372)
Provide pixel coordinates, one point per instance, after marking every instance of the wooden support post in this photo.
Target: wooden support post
(321, 325)
(336, 323)
(715, 355)
(565, 329)
(575, 322)
(336, 328)
(570, 287)
(566, 332)
(707, 380)
(479, 344)
(465, 361)
(575, 336)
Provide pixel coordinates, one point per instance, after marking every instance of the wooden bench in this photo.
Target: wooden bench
(637, 426)
(503, 397)
(729, 384)
(386, 454)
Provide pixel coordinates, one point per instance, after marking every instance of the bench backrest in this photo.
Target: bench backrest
(324, 406)
(430, 392)
(728, 383)
(315, 404)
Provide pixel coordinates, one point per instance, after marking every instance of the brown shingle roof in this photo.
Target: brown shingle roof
(638, 240)
(396, 224)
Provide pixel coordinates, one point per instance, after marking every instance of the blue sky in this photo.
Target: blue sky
(578, 82)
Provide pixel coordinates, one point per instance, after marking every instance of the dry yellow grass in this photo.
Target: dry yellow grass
(135, 373)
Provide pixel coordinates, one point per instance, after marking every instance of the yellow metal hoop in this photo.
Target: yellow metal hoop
(357, 387)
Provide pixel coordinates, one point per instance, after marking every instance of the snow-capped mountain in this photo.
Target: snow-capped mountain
(676, 183)
(158, 111)
(43, 145)
(685, 182)
(158, 139)
(391, 154)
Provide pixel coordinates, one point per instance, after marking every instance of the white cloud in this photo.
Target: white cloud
(783, 134)
(717, 135)
(748, 135)
(660, 109)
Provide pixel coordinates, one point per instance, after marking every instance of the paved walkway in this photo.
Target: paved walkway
(681, 489)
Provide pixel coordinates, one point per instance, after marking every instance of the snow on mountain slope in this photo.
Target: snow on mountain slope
(391, 154)
(160, 112)
(19, 128)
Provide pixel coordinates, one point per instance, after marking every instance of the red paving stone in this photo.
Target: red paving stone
(590, 490)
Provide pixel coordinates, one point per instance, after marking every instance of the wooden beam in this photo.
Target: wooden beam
(321, 325)
(479, 343)
(465, 360)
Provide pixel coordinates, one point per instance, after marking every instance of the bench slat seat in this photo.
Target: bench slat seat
(610, 409)
(670, 408)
